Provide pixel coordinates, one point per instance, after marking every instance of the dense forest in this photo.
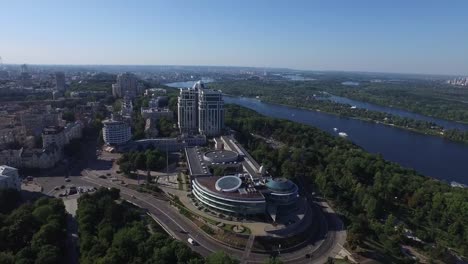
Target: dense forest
(429, 98)
(33, 232)
(114, 232)
(150, 159)
(383, 204)
(309, 94)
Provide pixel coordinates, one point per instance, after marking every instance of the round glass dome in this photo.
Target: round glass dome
(228, 184)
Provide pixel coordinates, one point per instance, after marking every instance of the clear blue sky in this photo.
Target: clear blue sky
(416, 36)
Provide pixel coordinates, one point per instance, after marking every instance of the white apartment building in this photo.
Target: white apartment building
(9, 178)
(210, 112)
(187, 109)
(116, 132)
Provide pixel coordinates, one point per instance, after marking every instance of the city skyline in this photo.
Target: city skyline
(400, 37)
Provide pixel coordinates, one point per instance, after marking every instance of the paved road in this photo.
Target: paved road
(181, 228)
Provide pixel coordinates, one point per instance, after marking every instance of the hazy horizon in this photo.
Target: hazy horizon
(361, 36)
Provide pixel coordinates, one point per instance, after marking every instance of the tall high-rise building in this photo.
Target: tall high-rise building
(126, 85)
(200, 109)
(187, 109)
(60, 81)
(210, 112)
(25, 77)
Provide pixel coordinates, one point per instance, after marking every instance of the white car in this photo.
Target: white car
(191, 241)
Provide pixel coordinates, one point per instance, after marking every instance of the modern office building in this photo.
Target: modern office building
(245, 190)
(9, 178)
(116, 132)
(60, 81)
(126, 85)
(200, 110)
(187, 109)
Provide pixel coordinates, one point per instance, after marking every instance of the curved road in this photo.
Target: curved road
(179, 227)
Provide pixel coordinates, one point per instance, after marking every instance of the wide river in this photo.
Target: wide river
(430, 155)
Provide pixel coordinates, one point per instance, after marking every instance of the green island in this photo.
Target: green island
(383, 205)
(304, 94)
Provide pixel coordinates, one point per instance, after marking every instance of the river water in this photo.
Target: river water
(398, 112)
(430, 155)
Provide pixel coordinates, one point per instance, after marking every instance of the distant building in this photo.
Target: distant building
(127, 108)
(126, 85)
(9, 178)
(11, 157)
(159, 102)
(60, 81)
(116, 132)
(36, 120)
(155, 113)
(72, 131)
(41, 158)
(155, 91)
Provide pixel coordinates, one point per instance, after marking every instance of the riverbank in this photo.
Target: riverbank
(428, 129)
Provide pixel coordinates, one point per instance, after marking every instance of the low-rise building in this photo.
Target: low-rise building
(72, 131)
(11, 157)
(9, 178)
(155, 113)
(41, 158)
(53, 135)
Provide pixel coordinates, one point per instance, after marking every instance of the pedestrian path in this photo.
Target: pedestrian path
(248, 249)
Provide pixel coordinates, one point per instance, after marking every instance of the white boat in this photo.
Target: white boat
(458, 185)
(335, 129)
(353, 107)
(342, 134)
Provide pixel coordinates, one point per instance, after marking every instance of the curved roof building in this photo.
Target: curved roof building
(228, 195)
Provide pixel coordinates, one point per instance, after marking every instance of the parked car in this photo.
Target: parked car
(67, 180)
(57, 188)
(72, 190)
(102, 176)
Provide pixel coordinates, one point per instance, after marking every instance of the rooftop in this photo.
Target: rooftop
(280, 185)
(219, 156)
(242, 192)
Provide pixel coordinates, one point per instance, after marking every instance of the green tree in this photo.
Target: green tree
(220, 257)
